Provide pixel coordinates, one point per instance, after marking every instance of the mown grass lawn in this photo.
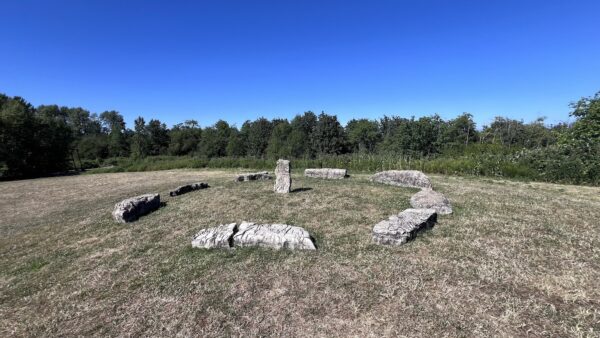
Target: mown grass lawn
(515, 259)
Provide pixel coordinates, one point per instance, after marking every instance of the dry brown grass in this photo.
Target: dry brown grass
(515, 259)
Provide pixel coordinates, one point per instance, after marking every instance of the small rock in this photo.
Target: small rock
(263, 175)
(403, 178)
(216, 237)
(187, 188)
(429, 199)
(403, 227)
(283, 179)
(132, 208)
(276, 236)
(326, 173)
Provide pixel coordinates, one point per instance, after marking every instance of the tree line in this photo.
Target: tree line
(50, 138)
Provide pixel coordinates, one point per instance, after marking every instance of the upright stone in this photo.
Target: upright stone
(283, 178)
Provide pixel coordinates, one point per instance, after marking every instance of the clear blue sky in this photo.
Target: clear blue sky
(238, 60)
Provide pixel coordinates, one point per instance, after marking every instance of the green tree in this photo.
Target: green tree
(114, 126)
(363, 135)
(279, 145)
(328, 136)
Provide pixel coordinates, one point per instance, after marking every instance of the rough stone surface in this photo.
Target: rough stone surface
(276, 236)
(327, 173)
(429, 199)
(403, 178)
(263, 175)
(132, 208)
(283, 179)
(216, 237)
(187, 188)
(400, 228)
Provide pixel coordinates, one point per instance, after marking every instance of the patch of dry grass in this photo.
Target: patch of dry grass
(514, 259)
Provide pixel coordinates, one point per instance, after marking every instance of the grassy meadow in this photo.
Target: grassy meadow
(515, 259)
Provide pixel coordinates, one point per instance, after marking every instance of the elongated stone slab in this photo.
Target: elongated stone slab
(283, 178)
(403, 178)
(187, 188)
(326, 173)
(132, 208)
(259, 176)
(217, 237)
(400, 228)
(429, 199)
(275, 236)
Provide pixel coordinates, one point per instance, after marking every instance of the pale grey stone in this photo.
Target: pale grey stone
(217, 237)
(402, 227)
(187, 188)
(429, 199)
(276, 236)
(132, 208)
(403, 178)
(283, 178)
(326, 173)
(259, 176)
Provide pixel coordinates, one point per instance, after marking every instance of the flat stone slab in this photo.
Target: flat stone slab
(259, 176)
(188, 188)
(403, 178)
(283, 178)
(400, 228)
(132, 208)
(275, 236)
(429, 199)
(217, 237)
(326, 173)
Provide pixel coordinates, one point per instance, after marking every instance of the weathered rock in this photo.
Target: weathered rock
(187, 188)
(400, 228)
(403, 178)
(327, 173)
(276, 236)
(429, 199)
(217, 237)
(263, 175)
(132, 208)
(283, 178)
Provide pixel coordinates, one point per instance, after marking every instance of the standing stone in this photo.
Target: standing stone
(132, 208)
(326, 173)
(283, 178)
(403, 178)
(429, 199)
(398, 229)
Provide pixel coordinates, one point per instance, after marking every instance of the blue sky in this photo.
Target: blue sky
(238, 60)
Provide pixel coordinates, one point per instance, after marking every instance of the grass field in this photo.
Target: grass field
(515, 259)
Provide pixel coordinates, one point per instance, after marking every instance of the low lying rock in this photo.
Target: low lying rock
(132, 208)
(400, 228)
(263, 175)
(217, 237)
(429, 199)
(403, 178)
(187, 188)
(275, 236)
(326, 173)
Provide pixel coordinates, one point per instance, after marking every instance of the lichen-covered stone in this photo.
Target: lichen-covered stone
(216, 237)
(259, 176)
(275, 236)
(429, 199)
(187, 188)
(403, 178)
(400, 228)
(326, 173)
(283, 178)
(132, 208)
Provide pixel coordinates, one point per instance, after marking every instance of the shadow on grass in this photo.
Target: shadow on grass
(300, 190)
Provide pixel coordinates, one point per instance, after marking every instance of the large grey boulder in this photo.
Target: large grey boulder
(259, 176)
(187, 188)
(400, 228)
(429, 199)
(403, 178)
(326, 173)
(217, 237)
(283, 178)
(132, 208)
(275, 236)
